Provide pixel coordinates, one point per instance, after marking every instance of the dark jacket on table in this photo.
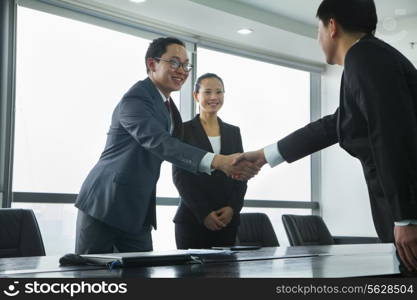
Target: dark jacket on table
(203, 193)
(376, 122)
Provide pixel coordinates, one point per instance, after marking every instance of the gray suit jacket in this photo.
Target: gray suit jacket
(120, 190)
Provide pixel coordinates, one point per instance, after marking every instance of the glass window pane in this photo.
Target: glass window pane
(267, 102)
(275, 215)
(70, 76)
(57, 225)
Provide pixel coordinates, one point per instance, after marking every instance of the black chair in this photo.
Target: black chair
(311, 230)
(19, 233)
(256, 229)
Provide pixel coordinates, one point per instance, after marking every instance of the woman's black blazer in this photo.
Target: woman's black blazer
(202, 193)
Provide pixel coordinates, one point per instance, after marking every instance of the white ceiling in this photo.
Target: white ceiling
(397, 19)
(304, 11)
(285, 28)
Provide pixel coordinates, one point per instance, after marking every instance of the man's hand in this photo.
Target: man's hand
(242, 169)
(212, 222)
(256, 157)
(225, 214)
(406, 242)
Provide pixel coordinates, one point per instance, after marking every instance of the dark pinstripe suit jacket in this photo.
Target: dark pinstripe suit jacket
(120, 189)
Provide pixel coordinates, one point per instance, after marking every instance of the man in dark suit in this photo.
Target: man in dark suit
(376, 121)
(117, 199)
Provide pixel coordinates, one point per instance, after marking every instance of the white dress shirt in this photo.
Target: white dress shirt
(215, 144)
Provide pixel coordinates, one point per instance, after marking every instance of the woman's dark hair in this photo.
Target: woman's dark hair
(205, 76)
(352, 15)
(158, 47)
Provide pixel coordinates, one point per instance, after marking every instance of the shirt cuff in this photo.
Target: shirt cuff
(205, 163)
(272, 155)
(405, 222)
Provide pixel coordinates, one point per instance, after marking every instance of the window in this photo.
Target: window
(267, 102)
(274, 215)
(57, 224)
(59, 236)
(70, 76)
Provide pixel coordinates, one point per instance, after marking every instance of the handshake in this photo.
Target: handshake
(240, 166)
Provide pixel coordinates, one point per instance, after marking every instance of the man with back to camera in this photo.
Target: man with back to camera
(117, 199)
(376, 121)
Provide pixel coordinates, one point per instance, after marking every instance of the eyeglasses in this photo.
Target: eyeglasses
(176, 64)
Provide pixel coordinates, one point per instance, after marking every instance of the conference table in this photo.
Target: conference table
(332, 261)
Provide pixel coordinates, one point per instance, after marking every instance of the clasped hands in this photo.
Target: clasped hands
(218, 219)
(240, 166)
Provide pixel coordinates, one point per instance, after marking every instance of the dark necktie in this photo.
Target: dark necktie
(168, 105)
(175, 118)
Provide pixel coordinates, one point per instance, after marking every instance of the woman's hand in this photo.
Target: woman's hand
(225, 214)
(213, 222)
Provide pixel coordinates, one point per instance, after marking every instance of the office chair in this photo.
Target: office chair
(19, 233)
(311, 230)
(256, 229)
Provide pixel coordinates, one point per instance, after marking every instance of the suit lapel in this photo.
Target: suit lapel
(159, 102)
(225, 138)
(226, 141)
(200, 135)
(176, 118)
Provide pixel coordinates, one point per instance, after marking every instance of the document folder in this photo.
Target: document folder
(139, 258)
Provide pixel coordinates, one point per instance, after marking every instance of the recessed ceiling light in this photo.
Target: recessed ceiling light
(137, 1)
(245, 31)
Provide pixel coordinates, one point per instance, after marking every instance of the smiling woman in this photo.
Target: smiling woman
(209, 211)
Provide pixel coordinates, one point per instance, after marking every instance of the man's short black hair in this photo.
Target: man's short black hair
(205, 76)
(158, 47)
(352, 15)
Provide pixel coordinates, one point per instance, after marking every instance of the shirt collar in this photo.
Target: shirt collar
(164, 98)
(359, 39)
(356, 41)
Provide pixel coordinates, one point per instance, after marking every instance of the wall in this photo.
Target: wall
(345, 202)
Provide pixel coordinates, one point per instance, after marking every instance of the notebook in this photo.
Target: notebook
(151, 258)
(238, 247)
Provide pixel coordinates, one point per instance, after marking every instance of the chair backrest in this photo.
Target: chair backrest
(19, 233)
(256, 229)
(306, 230)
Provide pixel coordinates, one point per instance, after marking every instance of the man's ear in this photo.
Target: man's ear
(150, 63)
(333, 28)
